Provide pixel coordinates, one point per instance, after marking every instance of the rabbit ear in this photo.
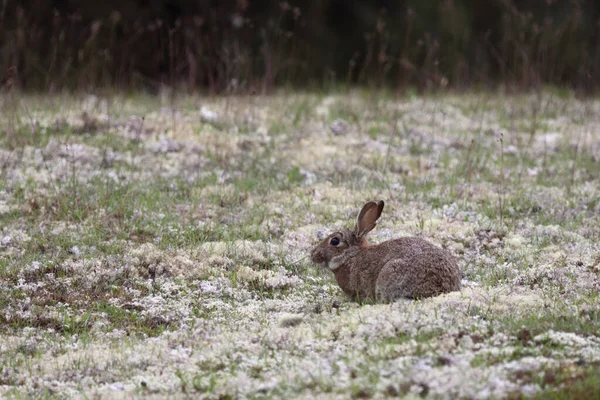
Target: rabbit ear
(380, 205)
(367, 218)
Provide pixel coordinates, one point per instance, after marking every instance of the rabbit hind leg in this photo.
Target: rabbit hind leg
(395, 281)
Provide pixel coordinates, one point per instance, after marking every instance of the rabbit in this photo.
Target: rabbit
(407, 267)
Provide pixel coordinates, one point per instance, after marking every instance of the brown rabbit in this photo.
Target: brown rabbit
(406, 267)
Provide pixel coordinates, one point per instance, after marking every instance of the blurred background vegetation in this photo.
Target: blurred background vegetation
(246, 46)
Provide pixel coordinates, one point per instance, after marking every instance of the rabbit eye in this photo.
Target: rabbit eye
(334, 241)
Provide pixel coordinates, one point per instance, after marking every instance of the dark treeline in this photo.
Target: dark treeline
(250, 45)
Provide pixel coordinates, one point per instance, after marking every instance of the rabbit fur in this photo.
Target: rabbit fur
(407, 267)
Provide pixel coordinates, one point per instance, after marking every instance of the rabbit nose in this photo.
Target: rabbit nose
(315, 256)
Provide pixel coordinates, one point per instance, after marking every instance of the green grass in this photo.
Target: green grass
(135, 265)
(580, 384)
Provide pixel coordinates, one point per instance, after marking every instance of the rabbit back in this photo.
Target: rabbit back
(418, 269)
(403, 268)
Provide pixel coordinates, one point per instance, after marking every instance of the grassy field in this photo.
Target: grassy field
(158, 248)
